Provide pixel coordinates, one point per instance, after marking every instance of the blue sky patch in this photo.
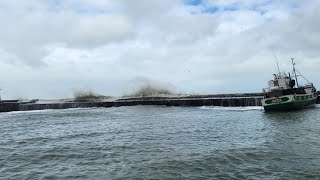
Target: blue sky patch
(210, 10)
(232, 7)
(193, 2)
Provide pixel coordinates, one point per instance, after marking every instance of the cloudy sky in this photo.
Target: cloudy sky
(52, 48)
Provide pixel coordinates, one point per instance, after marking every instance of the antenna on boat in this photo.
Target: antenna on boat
(294, 71)
(274, 55)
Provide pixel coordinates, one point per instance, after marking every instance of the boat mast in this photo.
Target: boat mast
(277, 63)
(294, 71)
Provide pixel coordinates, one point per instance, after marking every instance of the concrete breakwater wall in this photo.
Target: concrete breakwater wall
(8, 107)
(163, 101)
(234, 101)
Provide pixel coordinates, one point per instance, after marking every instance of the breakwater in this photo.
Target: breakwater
(226, 100)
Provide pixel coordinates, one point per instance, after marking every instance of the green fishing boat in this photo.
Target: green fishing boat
(284, 92)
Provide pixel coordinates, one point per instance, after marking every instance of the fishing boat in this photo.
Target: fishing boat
(284, 92)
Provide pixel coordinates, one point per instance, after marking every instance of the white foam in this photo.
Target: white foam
(247, 108)
(30, 112)
(46, 111)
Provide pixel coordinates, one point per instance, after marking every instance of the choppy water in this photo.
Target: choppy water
(154, 142)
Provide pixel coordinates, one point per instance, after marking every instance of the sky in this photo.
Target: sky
(53, 48)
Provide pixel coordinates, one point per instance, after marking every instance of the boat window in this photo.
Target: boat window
(298, 97)
(307, 97)
(302, 97)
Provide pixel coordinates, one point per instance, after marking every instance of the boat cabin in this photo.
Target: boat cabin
(283, 84)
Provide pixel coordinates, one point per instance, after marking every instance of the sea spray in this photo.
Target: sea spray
(88, 94)
(144, 87)
(149, 90)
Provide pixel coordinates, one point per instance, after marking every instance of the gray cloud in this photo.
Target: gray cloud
(53, 49)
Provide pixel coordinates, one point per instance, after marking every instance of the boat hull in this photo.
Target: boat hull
(291, 103)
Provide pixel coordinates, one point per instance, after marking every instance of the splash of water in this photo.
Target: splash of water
(142, 87)
(88, 94)
(149, 90)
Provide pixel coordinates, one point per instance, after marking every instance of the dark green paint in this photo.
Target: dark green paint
(290, 105)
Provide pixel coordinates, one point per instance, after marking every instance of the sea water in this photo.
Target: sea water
(158, 142)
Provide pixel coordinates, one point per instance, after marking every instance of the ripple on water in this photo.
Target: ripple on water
(160, 143)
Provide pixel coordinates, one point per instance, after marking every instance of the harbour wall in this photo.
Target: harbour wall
(162, 101)
(200, 100)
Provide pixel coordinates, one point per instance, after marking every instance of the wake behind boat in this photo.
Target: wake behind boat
(284, 93)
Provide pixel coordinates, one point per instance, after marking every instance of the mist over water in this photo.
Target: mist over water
(155, 142)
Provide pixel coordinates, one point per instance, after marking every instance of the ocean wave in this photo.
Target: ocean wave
(46, 111)
(248, 108)
(31, 112)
